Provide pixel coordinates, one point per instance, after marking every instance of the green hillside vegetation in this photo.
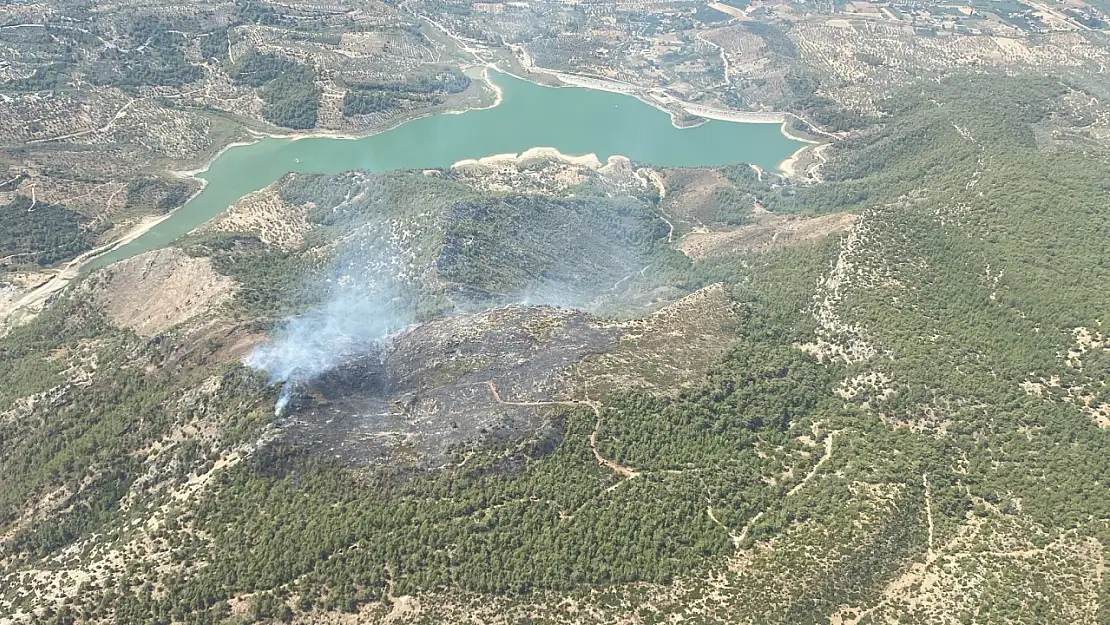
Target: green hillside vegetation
(362, 98)
(41, 233)
(357, 102)
(85, 442)
(289, 93)
(450, 80)
(157, 193)
(291, 100)
(1011, 210)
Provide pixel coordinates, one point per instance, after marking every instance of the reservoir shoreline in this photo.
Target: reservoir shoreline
(568, 80)
(580, 126)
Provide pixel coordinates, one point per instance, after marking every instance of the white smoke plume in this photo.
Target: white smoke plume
(361, 309)
(308, 345)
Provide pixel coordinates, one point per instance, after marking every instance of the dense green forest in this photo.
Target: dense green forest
(289, 93)
(357, 102)
(163, 195)
(41, 233)
(291, 100)
(364, 97)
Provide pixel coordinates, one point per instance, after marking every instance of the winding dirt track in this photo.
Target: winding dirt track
(629, 472)
(737, 540)
(929, 512)
(624, 471)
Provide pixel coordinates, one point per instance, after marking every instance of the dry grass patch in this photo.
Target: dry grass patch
(266, 215)
(668, 349)
(769, 231)
(158, 290)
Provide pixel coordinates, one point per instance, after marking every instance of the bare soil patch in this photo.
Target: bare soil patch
(266, 215)
(158, 290)
(769, 231)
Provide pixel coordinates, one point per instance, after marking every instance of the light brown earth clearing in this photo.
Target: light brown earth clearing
(667, 349)
(770, 230)
(155, 291)
(266, 215)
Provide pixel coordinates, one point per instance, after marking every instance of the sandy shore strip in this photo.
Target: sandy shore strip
(498, 93)
(533, 155)
(193, 173)
(589, 82)
(30, 302)
(788, 167)
(742, 117)
(647, 96)
(659, 99)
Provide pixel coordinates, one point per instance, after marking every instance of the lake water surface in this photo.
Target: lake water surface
(573, 120)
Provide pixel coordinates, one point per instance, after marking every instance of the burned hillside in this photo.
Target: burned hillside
(485, 379)
(497, 349)
(437, 316)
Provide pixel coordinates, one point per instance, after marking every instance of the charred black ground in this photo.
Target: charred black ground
(468, 379)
